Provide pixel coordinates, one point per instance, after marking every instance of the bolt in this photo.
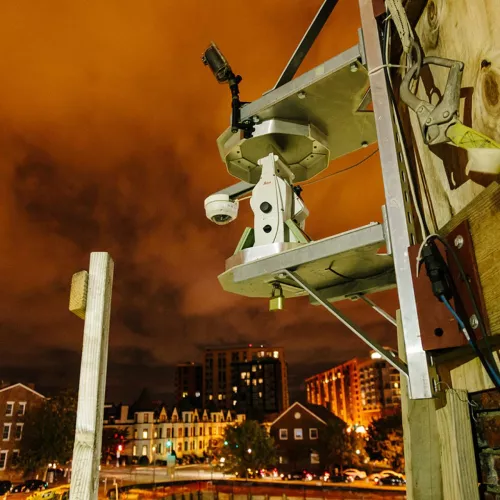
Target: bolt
(282, 276)
(364, 144)
(255, 119)
(428, 121)
(354, 68)
(473, 321)
(446, 114)
(459, 241)
(301, 95)
(420, 110)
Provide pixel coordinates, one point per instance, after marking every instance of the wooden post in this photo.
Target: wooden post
(88, 436)
(457, 448)
(421, 440)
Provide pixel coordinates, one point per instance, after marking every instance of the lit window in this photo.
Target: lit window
(184, 394)
(197, 394)
(144, 450)
(283, 434)
(297, 434)
(396, 385)
(261, 381)
(313, 433)
(235, 403)
(260, 394)
(254, 382)
(134, 451)
(210, 397)
(219, 397)
(155, 434)
(146, 418)
(144, 434)
(235, 389)
(254, 368)
(21, 410)
(3, 459)
(276, 354)
(243, 375)
(19, 431)
(9, 410)
(6, 432)
(135, 435)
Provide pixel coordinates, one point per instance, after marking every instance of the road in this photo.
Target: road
(139, 475)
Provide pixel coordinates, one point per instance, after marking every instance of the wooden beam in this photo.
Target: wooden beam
(88, 435)
(458, 462)
(421, 440)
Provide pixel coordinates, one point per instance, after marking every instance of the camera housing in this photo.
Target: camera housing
(221, 209)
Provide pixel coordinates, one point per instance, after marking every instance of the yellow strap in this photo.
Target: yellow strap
(465, 137)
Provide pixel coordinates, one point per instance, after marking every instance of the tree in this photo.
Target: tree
(385, 441)
(248, 446)
(337, 446)
(48, 433)
(112, 437)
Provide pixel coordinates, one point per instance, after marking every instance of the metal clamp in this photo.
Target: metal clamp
(435, 121)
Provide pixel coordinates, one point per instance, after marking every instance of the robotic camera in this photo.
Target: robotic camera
(215, 60)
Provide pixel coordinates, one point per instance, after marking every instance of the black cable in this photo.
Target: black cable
(489, 363)
(308, 183)
(397, 116)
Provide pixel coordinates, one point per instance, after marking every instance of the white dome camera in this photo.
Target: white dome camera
(220, 209)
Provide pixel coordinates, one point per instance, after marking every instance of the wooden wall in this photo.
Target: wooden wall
(466, 30)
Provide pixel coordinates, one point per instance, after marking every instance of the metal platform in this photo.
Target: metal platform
(349, 263)
(330, 97)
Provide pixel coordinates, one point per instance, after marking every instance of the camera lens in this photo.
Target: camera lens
(221, 218)
(266, 207)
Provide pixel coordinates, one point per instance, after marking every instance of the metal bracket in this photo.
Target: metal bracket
(378, 309)
(318, 296)
(306, 43)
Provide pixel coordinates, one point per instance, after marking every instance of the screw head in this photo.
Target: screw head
(255, 119)
(301, 95)
(446, 114)
(428, 120)
(364, 144)
(473, 321)
(354, 68)
(459, 241)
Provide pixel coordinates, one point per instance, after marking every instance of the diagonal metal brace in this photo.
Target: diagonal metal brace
(317, 295)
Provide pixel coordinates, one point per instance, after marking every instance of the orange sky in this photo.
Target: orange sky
(108, 122)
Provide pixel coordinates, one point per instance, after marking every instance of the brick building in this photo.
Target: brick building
(15, 402)
(296, 433)
(357, 391)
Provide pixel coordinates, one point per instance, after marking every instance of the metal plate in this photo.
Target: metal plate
(438, 328)
(352, 254)
(328, 97)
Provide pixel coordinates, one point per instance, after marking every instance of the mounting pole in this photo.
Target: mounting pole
(90, 299)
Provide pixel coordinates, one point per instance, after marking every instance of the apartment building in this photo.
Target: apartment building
(189, 383)
(357, 391)
(221, 366)
(155, 432)
(257, 388)
(16, 401)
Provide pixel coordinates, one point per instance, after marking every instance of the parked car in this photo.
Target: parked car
(296, 475)
(376, 477)
(30, 485)
(393, 479)
(356, 474)
(341, 478)
(5, 487)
